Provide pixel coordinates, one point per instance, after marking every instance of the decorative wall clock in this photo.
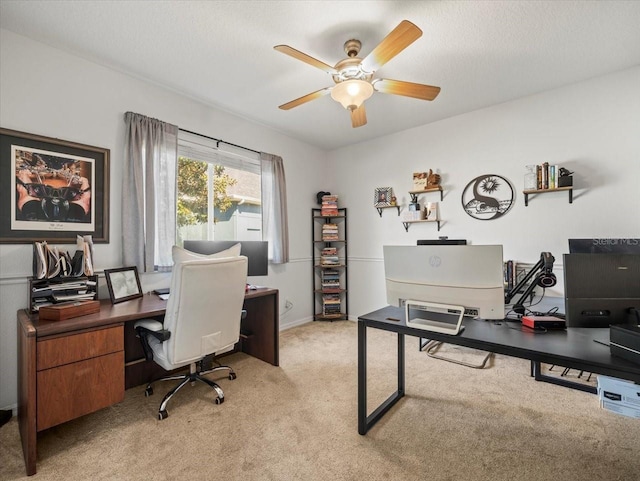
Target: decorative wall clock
(487, 197)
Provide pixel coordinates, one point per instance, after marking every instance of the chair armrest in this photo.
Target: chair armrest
(144, 332)
(162, 335)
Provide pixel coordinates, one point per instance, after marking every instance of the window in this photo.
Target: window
(218, 192)
(231, 212)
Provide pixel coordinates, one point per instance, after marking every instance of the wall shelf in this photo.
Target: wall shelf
(406, 223)
(415, 193)
(381, 208)
(544, 191)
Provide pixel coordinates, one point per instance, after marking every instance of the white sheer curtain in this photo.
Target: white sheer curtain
(275, 227)
(149, 193)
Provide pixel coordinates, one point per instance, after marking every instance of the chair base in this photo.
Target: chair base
(193, 376)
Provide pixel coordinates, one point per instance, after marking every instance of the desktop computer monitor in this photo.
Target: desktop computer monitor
(462, 275)
(255, 251)
(604, 246)
(600, 288)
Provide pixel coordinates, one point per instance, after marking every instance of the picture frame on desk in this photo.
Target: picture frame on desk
(123, 284)
(52, 189)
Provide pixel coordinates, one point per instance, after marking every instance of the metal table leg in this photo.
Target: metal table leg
(367, 422)
(536, 372)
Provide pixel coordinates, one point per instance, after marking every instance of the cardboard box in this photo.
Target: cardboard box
(619, 396)
(618, 408)
(68, 310)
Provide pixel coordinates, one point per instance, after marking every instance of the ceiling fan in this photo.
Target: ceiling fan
(354, 76)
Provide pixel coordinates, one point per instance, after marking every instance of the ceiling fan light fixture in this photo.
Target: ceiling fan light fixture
(352, 93)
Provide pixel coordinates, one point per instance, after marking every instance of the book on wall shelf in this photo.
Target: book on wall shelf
(547, 177)
(329, 257)
(544, 178)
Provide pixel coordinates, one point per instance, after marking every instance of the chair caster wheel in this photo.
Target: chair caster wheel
(232, 376)
(162, 415)
(219, 400)
(148, 392)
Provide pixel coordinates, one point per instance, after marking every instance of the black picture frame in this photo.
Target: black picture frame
(22, 153)
(123, 284)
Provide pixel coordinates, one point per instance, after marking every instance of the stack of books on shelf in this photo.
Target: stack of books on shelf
(329, 256)
(330, 281)
(46, 293)
(329, 206)
(331, 304)
(329, 232)
(547, 176)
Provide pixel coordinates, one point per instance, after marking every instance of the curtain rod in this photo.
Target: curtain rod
(219, 140)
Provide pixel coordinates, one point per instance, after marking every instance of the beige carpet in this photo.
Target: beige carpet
(299, 422)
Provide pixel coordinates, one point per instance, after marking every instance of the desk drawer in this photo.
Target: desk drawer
(78, 347)
(79, 388)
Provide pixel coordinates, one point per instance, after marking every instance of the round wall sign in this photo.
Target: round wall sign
(487, 197)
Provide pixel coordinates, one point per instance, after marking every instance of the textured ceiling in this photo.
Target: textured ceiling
(221, 53)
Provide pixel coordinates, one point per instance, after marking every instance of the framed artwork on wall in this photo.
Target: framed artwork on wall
(382, 196)
(488, 197)
(52, 189)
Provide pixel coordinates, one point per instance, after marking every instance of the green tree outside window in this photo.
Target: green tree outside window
(193, 196)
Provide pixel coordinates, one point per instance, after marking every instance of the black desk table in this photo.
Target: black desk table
(574, 348)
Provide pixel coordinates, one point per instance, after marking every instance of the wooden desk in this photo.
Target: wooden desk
(574, 348)
(70, 368)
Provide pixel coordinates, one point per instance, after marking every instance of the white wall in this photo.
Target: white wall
(48, 92)
(592, 128)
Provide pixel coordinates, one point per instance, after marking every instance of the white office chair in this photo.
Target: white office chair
(202, 319)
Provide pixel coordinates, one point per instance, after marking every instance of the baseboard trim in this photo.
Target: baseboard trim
(299, 322)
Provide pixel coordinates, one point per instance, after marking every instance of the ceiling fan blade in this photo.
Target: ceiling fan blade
(358, 117)
(400, 38)
(305, 58)
(306, 98)
(407, 89)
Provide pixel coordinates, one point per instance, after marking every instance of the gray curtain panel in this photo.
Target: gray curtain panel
(275, 226)
(149, 192)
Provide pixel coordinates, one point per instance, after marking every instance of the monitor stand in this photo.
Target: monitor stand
(430, 316)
